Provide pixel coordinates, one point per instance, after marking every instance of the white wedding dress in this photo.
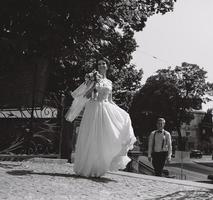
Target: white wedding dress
(105, 135)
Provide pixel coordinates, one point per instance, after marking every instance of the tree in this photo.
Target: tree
(69, 33)
(172, 94)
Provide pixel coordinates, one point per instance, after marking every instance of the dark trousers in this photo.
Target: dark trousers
(158, 162)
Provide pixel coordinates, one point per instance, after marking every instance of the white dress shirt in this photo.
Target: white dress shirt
(161, 141)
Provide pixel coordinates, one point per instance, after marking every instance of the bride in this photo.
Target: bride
(105, 133)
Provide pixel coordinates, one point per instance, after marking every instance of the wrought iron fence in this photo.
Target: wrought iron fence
(34, 130)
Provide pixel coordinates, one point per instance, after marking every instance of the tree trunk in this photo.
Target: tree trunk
(65, 146)
(66, 141)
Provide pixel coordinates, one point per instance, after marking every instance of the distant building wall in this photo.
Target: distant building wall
(192, 131)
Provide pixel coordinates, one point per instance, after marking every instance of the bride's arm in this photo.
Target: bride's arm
(88, 94)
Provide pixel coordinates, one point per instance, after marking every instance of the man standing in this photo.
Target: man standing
(160, 147)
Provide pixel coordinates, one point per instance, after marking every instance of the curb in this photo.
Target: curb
(168, 180)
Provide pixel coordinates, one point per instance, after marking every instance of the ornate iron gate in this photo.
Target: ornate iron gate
(32, 131)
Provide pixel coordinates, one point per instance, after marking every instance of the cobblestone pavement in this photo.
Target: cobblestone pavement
(53, 181)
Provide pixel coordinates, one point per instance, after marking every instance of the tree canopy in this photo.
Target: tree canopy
(70, 34)
(172, 94)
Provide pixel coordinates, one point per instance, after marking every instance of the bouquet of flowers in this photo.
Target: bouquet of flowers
(93, 77)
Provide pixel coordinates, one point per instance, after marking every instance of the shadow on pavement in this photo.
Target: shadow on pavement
(9, 166)
(190, 195)
(102, 180)
(28, 172)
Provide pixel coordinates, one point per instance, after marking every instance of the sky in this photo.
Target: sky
(184, 35)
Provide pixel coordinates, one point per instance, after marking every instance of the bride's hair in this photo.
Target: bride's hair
(104, 59)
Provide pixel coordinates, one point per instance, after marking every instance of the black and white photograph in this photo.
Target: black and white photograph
(106, 100)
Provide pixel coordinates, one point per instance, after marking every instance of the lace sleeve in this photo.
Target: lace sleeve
(79, 101)
(79, 91)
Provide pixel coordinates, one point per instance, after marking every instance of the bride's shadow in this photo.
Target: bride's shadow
(28, 172)
(8, 165)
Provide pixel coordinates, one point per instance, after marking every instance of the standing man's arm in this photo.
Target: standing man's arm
(150, 146)
(169, 147)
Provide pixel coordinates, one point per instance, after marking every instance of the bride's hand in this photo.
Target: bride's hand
(88, 95)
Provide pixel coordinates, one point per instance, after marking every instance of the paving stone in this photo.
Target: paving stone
(57, 181)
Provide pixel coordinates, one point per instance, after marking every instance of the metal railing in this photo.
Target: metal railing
(141, 168)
